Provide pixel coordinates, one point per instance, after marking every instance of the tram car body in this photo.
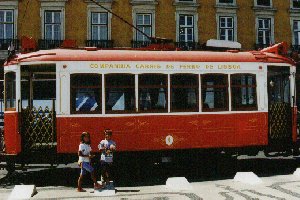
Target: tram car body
(153, 101)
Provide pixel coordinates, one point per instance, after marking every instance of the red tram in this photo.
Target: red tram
(153, 101)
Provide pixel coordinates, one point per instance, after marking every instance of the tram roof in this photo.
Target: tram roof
(56, 55)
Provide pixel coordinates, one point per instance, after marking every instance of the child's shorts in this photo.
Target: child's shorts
(86, 167)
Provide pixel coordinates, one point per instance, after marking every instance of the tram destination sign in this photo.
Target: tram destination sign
(165, 66)
(175, 66)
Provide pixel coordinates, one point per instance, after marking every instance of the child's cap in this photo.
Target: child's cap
(85, 134)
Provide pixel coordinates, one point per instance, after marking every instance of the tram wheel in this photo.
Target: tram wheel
(10, 165)
(296, 151)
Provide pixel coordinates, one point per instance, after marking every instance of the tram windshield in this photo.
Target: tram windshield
(38, 86)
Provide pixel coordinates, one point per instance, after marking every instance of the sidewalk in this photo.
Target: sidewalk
(277, 187)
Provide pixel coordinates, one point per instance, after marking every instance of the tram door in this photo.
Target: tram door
(38, 95)
(280, 111)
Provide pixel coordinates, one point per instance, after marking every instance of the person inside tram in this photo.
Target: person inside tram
(107, 148)
(84, 161)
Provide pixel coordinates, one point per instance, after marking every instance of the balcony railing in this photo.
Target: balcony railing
(188, 46)
(140, 44)
(5, 43)
(100, 43)
(49, 44)
(261, 46)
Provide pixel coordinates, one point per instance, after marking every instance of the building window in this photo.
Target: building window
(263, 3)
(192, 1)
(153, 93)
(295, 3)
(99, 26)
(186, 28)
(86, 93)
(52, 25)
(243, 92)
(264, 31)
(296, 30)
(225, 1)
(214, 92)
(119, 93)
(10, 91)
(6, 24)
(184, 93)
(226, 28)
(144, 24)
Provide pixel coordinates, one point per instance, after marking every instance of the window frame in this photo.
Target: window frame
(74, 112)
(185, 1)
(15, 91)
(271, 29)
(53, 24)
(166, 87)
(186, 27)
(226, 4)
(6, 23)
(226, 28)
(292, 5)
(143, 26)
(208, 110)
(105, 96)
(99, 25)
(185, 87)
(257, 5)
(296, 31)
(254, 108)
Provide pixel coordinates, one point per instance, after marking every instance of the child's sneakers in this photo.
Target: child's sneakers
(80, 190)
(97, 186)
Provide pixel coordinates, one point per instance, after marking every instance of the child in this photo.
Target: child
(107, 147)
(84, 161)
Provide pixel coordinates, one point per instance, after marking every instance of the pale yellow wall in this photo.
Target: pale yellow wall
(165, 20)
(207, 25)
(29, 23)
(282, 21)
(76, 21)
(246, 33)
(122, 34)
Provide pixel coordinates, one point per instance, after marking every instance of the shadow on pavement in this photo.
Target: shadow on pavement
(202, 170)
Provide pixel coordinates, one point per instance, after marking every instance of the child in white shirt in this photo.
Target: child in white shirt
(84, 153)
(107, 148)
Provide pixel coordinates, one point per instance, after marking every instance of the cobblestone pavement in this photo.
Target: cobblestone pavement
(277, 187)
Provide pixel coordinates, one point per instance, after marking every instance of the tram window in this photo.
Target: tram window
(25, 93)
(243, 92)
(184, 92)
(43, 90)
(10, 91)
(153, 93)
(279, 85)
(86, 93)
(119, 93)
(214, 92)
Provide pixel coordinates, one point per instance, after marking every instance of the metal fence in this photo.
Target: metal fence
(38, 129)
(49, 44)
(100, 43)
(5, 43)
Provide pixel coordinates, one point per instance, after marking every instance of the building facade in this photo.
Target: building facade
(189, 23)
